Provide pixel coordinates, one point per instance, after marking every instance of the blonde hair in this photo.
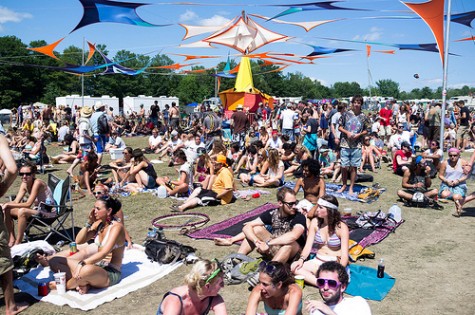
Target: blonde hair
(202, 269)
(274, 159)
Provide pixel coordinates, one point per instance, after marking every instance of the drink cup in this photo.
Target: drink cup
(60, 279)
(347, 212)
(300, 281)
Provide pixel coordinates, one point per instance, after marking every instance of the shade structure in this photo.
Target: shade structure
(244, 92)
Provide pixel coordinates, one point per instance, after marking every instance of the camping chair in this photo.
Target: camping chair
(64, 208)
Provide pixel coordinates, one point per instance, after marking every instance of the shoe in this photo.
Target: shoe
(174, 208)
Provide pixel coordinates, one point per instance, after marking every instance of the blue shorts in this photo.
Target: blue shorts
(459, 189)
(101, 141)
(350, 157)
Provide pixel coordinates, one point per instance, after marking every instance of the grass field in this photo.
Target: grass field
(430, 255)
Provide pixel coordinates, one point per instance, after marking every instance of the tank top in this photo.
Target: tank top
(454, 173)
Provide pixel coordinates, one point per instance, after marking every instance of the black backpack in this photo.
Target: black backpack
(166, 251)
(103, 125)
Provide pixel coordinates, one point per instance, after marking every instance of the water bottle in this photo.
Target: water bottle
(381, 268)
(151, 233)
(161, 233)
(395, 213)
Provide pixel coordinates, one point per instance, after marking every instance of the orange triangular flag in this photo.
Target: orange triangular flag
(368, 51)
(48, 50)
(92, 50)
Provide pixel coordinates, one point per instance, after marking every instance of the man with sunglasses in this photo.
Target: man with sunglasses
(332, 281)
(279, 234)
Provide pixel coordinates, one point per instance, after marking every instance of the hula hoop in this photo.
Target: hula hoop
(202, 219)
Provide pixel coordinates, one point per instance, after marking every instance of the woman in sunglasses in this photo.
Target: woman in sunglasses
(329, 235)
(102, 267)
(277, 289)
(120, 167)
(40, 200)
(199, 295)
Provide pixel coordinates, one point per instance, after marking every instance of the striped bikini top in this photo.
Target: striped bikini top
(332, 242)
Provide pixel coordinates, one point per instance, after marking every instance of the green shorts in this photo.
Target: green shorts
(113, 274)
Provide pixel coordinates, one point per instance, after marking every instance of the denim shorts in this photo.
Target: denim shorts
(350, 157)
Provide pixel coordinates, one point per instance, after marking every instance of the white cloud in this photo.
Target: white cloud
(214, 21)
(374, 34)
(7, 15)
(188, 16)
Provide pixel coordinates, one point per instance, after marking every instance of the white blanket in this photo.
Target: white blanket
(137, 272)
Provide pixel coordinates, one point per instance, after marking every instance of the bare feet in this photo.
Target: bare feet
(223, 241)
(458, 209)
(342, 189)
(17, 308)
(82, 289)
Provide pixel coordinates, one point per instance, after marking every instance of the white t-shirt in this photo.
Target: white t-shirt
(397, 139)
(83, 129)
(334, 121)
(349, 306)
(192, 150)
(274, 144)
(186, 167)
(118, 142)
(63, 131)
(154, 141)
(173, 144)
(288, 116)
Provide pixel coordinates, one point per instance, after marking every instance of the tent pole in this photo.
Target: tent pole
(444, 79)
(82, 75)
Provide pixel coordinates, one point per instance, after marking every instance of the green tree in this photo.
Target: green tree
(346, 89)
(388, 88)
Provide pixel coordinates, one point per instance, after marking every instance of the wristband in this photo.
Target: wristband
(301, 257)
(88, 225)
(267, 242)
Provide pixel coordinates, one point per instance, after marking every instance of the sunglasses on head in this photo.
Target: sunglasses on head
(332, 284)
(215, 273)
(266, 267)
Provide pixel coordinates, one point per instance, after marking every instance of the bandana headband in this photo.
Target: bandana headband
(326, 204)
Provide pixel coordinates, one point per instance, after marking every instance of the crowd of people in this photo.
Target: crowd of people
(211, 150)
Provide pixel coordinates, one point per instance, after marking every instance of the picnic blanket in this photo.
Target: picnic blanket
(137, 272)
(332, 189)
(232, 226)
(368, 237)
(365, 283)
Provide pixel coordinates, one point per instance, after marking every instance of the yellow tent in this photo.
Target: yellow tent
(244, 92)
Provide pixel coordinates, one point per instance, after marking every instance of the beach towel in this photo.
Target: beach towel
(137, 272)
(232, 226)
(365, 283)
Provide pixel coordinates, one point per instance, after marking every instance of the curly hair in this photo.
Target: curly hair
(333, 266)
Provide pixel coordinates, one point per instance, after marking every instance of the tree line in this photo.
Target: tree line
(28, 77)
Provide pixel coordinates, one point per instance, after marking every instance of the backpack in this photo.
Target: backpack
(371, 220)
(237, 268)
(103, 125)
(166, 251)
(22, 264)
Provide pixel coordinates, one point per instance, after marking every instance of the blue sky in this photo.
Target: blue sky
(50, 20)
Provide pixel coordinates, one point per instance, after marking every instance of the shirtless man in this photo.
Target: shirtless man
(313, 187)
(174, 116)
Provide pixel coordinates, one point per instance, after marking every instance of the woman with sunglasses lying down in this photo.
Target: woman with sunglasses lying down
(97, 264)
(277, 289)
(199, 295)
(329, 235)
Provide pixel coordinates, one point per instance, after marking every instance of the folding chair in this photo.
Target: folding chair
(64, 209)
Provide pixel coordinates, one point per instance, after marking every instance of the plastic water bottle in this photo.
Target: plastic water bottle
(395, 213)
(160, 233)
(381, 268)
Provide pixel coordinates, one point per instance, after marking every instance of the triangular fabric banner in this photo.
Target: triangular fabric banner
(97, 11)
(307, 26)
(48, 50)
(466, 39)
(244, 81)
(92, 50)
(432, 12)
(368, 51)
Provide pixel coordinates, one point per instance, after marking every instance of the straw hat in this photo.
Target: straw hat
(86, 111)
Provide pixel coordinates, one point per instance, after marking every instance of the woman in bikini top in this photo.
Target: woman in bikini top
(199, 295)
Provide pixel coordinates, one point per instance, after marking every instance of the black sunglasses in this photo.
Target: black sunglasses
(290, 204)
(25, 173)
(266, 267)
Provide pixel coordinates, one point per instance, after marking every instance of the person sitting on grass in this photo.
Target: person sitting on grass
(184, 184)
(102, 267)
(143, 171)
(120, 167)
(88, 171)
(370, 155)
(221, 191)
(313, 187)
(301, 154)
(417, 180)
(453, 174)
(199, 295)
(69, 156)
(248, 165)
(272, 173)
(332, 281)
(277, 290)
(329, 235)
(40, 201)
(115, 142)
(402, 159)
(286, 236)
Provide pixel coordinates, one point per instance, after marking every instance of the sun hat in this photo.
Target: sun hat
(98, 105)
(86, 111)
(239, 107)
(221, 159)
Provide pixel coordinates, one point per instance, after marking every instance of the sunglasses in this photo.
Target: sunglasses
(290, 204)
(332, 284)
(215, 273)
(96, 193)
(266, 267)
(453, 155)
(400, 126)
(25, 173)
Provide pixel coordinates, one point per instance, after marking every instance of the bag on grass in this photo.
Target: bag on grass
(237, 268)
(22, 264)
(370, 220)
(166, 251)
